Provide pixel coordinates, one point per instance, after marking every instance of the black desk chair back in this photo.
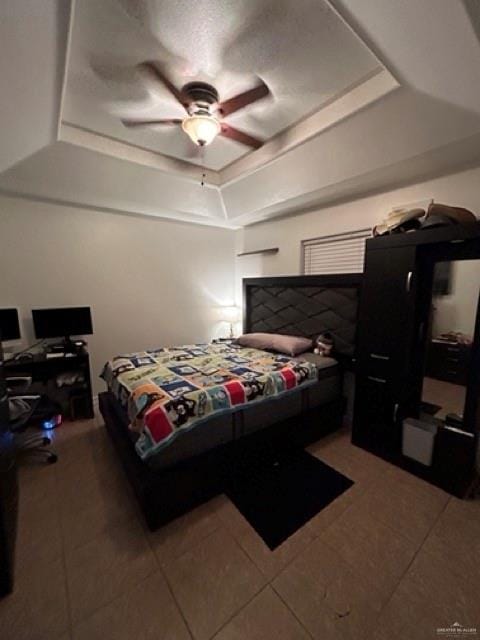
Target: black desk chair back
(26, 409)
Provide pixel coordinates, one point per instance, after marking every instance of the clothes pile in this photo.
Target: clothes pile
(403, 220)
(454, 337)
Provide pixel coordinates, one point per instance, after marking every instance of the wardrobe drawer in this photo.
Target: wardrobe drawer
(454, 459)
(377, 393)
(377, 365)
(376, 411)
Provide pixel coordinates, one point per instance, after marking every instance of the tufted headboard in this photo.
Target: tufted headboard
(304, 306)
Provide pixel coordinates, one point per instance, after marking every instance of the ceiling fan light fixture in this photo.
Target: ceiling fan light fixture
(201, 129)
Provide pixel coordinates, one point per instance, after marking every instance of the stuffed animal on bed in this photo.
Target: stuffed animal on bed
(324, 344)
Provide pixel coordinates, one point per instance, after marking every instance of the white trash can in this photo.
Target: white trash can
(418, 438)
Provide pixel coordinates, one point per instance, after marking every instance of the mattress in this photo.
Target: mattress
(193, 394)
(222, 427)
(221, 430)
(324, 364)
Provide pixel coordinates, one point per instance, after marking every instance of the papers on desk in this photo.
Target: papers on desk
(59, 355)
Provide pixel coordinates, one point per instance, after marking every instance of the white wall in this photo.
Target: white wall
(150, 282)
(155, 282)
(287, 233)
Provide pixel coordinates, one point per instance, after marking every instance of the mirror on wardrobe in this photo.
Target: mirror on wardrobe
(456, 288)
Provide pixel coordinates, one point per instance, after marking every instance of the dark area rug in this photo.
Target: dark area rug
(278, 491)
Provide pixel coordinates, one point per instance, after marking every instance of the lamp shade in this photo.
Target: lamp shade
(231, 314)
(201, 129)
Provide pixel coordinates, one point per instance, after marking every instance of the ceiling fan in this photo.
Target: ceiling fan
(203, 121)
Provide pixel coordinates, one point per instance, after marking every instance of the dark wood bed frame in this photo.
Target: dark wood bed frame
(169, 493)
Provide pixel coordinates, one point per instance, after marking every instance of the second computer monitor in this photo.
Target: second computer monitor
(9, 324)
(62, 322)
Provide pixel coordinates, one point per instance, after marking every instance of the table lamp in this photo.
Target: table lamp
(231, 315)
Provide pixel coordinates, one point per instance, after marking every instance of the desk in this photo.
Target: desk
(76, 400)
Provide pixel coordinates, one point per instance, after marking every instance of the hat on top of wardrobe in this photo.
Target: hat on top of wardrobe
(409, 221)
(399, 220)
(402, 219)
(438, 220)
(457, 214)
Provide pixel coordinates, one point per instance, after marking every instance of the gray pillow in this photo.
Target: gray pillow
(290, 345)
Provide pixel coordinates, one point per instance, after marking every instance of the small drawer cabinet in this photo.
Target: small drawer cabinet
(448, 361)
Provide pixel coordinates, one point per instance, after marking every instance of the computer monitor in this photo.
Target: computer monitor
(63, 322)
(9, 325)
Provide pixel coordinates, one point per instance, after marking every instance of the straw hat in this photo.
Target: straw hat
(399, 220)
(399, 217)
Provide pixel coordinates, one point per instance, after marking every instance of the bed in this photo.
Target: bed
(288, 399)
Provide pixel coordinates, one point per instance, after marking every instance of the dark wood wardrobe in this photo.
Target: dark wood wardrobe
(400, 324)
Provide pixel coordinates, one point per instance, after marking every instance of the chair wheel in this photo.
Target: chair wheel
(52, 458)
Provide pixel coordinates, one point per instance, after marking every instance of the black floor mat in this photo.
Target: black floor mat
(279, 491)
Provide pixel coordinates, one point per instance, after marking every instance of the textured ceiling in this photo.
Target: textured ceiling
(33, 42)
(302, 50)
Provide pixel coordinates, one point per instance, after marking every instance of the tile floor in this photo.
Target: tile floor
(450, 397)
(392, 558)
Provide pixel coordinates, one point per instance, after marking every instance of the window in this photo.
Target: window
(341, 253)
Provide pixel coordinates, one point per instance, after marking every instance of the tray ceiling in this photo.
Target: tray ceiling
(302, 50)
(338, 124)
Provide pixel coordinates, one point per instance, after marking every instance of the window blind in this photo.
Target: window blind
(340, 253)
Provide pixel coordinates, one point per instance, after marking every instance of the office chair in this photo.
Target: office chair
(22, 408)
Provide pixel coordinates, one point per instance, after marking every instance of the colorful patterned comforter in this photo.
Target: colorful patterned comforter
(169, 391)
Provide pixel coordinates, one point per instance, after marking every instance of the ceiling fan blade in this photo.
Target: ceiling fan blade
(243, 99)
(153, 68)
(235, 134)
(148, 123)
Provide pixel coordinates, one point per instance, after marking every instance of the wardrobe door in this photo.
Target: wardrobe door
(386, 308)
(385, 343)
